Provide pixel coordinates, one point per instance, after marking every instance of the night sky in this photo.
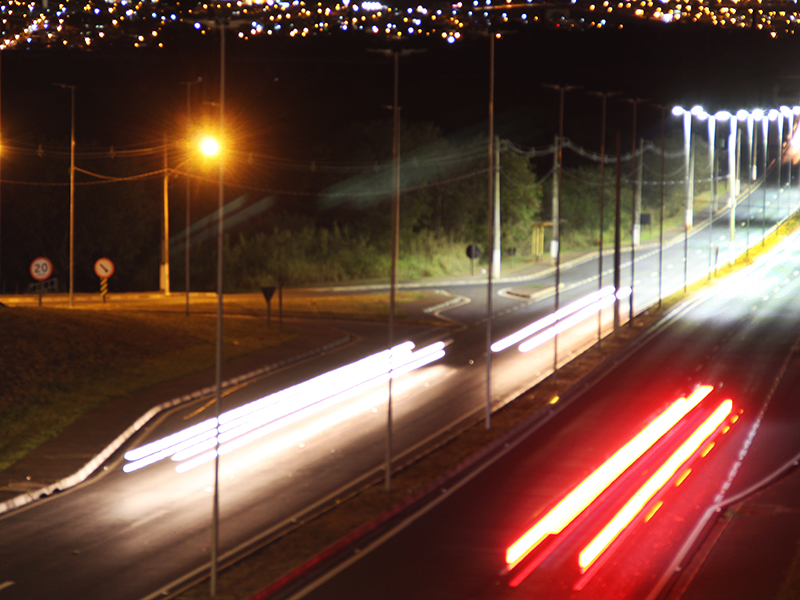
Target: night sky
(287, 94)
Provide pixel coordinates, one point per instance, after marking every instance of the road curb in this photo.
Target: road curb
(90, 467)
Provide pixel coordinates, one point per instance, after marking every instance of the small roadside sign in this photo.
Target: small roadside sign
(41, 268)
(104, 268)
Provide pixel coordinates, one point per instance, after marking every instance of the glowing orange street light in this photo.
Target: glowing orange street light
(209, 146)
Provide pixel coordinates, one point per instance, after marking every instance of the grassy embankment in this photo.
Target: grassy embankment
(57, 364)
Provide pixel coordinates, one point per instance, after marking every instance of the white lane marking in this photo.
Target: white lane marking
(6, 584)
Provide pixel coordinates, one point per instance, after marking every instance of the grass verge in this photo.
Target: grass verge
(57, 364)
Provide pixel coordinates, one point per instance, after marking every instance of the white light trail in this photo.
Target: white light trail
(552, 318)
(249, 422)
(571, 321)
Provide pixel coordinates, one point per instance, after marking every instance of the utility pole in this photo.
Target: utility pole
(395, 224)
(188, 85)
(561, 89)
(617, 237)
(604, 97)
(635, 226)
(71, 88)
(165, 240)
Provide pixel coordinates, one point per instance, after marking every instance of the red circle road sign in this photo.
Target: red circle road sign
(41, 268)
(104, 268)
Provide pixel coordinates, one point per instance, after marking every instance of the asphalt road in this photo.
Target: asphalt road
(128, 536)
(740, 337)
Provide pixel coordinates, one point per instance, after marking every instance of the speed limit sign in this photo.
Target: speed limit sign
(41, 268)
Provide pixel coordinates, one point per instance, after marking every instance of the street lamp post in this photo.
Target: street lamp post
(636, 206)
(165, 241)
(764, 142)
(733, 180)
(490, 254)
(678, 111)
(561, 89)
(210, 147)
(604, 97)
(779, 163)
(789, 117)
(188, 85)
(712, 142)
(1, 206)
(395, 257)
(218, 370)
(749, 118)
(71, 88)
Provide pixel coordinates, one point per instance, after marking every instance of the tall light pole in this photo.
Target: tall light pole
(661, 218)
(1, 205)
(779, 159)
(732, 183)
(712, 128)
(678, 111)
(165, 241)
(395, 256)
(209, 148)
(748, 117)
(218, 370)
(188, 85)
(561, 89)
(787, 112)
(71, 88)
(604, 97)
(635, 207)
(490, 254)
(395, 259)
(764, 142)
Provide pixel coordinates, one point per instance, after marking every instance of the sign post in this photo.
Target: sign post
(41, 268)
(104, 269)
(268, 293)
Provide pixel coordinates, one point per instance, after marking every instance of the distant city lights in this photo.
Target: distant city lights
(138, 24)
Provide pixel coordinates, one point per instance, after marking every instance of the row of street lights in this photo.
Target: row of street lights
(733, 119)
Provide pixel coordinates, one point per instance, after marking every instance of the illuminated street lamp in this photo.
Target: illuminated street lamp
(209, 146)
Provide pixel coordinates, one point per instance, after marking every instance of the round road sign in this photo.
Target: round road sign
(104, 268)
(41, 268)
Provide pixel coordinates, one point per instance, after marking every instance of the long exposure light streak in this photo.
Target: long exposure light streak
(590, 488)
(551, 319)
(583, 314)
(651, 487)
(251, 421)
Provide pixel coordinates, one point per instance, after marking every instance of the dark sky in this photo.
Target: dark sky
(284, 95)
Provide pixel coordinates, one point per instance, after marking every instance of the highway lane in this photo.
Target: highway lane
(155, 523)
(739, 338)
